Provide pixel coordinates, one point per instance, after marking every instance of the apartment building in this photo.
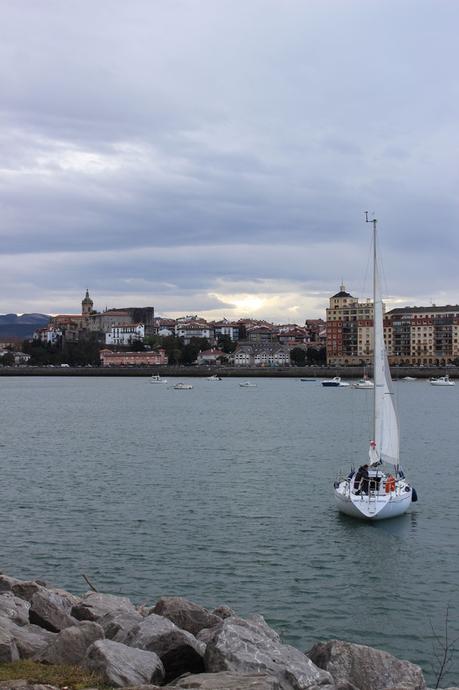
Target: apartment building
(413, 335)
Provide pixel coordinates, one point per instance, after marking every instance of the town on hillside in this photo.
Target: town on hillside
(134, 336)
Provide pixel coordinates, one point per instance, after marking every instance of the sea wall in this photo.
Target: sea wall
(224, 371)
(174, 642)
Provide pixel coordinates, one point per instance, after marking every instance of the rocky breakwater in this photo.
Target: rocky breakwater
(178, 644)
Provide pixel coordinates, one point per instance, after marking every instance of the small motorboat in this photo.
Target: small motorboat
(364, 383)
(215, 377)
(156, 378)
(442, 381)
(409, 378)
(248, 384)
(182, 387)
(335, 382)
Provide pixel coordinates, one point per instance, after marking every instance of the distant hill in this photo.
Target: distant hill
(22, 325)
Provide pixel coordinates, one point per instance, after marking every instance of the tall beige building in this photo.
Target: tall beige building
(413, 335)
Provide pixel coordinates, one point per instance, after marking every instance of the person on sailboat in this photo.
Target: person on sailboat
(361, 480)
(373, 454)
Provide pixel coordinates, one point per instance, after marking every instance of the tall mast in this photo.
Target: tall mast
(374, 222)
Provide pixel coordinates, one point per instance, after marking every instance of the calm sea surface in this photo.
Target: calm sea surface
(225, 495)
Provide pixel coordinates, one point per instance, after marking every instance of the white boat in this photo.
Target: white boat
(215, 377)
(364, 383)
(378, 489)
(182, 387)
(442, 381)
(156, 378)
(409, 378)
(335, 382)
(248, 384)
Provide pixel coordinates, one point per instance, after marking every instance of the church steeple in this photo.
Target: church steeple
(86, 304)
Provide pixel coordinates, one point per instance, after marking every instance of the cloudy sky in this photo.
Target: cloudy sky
(216, 156)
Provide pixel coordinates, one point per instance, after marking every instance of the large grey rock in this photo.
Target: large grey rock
(123, 666)
(70, 645)
(228, 680)
(365, 667)
(178, 649)
(6, 583)
(29, 639)
(14, 608)
(246, 647)
(94, 605)
(8, 649)
(185, 614)
(117, 624)
(51, 611)
(25, 589)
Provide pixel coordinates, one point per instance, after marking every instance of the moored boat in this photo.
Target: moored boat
(442, 381)
(182, 387)
(378, 490)
(335, 382)
(156, 378)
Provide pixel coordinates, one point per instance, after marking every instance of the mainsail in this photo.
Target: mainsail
(386, 431)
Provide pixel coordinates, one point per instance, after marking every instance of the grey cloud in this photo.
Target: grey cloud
(227, 133)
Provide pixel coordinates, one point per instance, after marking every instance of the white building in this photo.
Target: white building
(125, 334)
(264, 354)
(49, 334)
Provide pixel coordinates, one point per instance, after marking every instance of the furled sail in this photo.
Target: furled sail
(386, 431)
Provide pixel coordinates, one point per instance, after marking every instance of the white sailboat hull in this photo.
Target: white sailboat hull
(379, 506)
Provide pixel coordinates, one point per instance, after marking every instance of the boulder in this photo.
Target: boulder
(223, 611)
(25, 589)
(117, 624)
(6, 583)
(14, 608)
(185, 614)
(365, 667)
(70, 645)
(95, 605)
(123, 666)
(178, 649)
(246, 647)
(8, 648)
(29, 639)
(227, 681)
(51, 611)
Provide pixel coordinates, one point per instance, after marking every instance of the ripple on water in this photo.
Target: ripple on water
(225, 497)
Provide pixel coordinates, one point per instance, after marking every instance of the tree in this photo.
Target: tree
(226, 344)
(316, 356)
(8, 359)
(298, 356)
(191, 351)
(137, 346)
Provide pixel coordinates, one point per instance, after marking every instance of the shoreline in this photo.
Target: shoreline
(311, 372)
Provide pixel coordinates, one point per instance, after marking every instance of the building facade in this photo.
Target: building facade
(125, 334)
(266, 354)
(413, 335)
(156, 357)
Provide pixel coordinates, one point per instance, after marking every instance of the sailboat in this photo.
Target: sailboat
(378, 489)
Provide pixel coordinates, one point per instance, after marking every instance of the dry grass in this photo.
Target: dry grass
(60, 675)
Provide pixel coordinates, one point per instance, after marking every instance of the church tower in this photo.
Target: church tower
(86, 305)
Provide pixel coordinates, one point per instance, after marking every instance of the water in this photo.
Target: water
(224, 495)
